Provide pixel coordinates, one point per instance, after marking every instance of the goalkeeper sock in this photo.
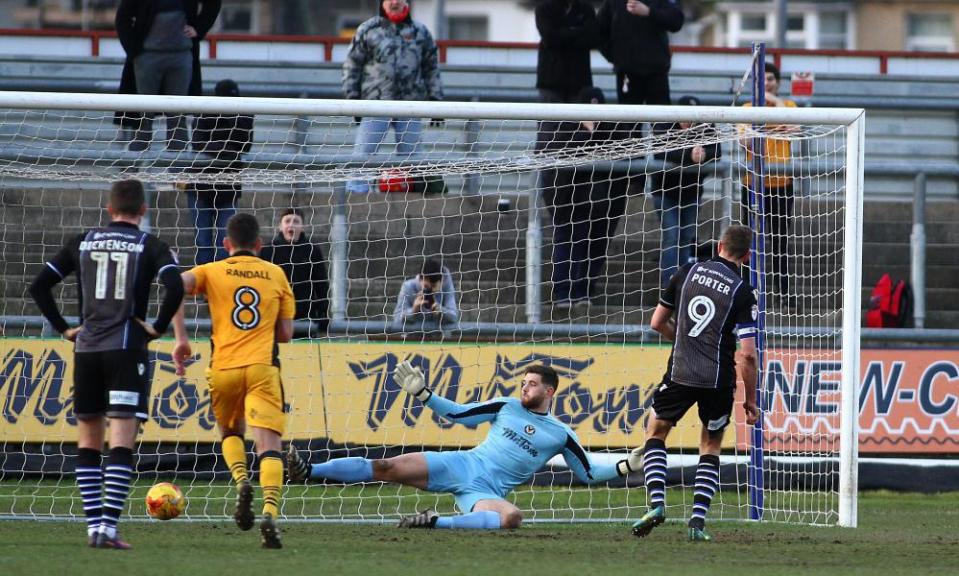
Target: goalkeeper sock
(89, 481)
(654, 471)
(344, 470)
(271, 479)
(234, 453)
(484, 520)
(707, 482)
(117, 477)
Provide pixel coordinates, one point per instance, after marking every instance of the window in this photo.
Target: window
(833, 31)
(809, 28)
(753, 23)
(929, 33)
(795, 23)
(238, 16)
(473, 28)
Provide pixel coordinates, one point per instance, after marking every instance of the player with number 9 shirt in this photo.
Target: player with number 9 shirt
(252, 308)
(705, 308)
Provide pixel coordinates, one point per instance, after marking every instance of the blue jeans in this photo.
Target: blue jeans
(585, 207)
(678, 214)
(372, 132)
(210, 222)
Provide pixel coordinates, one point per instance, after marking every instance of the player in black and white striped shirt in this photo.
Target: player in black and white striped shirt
(115, 267)
(704, 310)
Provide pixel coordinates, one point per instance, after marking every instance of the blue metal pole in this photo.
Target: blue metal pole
(757, 275)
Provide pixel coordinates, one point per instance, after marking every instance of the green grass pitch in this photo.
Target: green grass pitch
(897, 534)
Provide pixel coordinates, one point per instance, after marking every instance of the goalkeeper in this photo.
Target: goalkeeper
(522, 438)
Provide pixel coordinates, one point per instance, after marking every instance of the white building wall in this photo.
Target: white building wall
(508, 22)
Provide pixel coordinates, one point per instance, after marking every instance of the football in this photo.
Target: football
(165, 501)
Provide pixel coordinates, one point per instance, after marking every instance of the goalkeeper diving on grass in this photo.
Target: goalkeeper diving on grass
(523, 436)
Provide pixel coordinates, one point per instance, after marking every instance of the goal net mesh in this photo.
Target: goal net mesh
(556, 236)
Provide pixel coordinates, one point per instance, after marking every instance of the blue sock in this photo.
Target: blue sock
(344, 470)
(485, 520)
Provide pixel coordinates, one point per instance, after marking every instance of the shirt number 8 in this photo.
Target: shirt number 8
(246, 315)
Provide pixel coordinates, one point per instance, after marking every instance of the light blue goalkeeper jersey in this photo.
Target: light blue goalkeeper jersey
(520, 442)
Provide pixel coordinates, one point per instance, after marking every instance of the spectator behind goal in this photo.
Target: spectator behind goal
(427, 302)
(221, 140)
(304, 265)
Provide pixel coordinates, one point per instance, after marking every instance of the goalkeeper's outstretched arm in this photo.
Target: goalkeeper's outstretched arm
(471, 414)
(587, 472)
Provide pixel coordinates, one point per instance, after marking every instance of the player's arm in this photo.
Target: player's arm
(168, 273)
(284, 321)
(181, 347)
(747, 364)
(41, 289)
(664, 322)
(664, 318)
(586, 471)
(471, 414)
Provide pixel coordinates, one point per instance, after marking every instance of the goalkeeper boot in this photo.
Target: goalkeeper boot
(269, 533)
(425, 519)
(243, 515)
(297, 470)
(650, 520)
(699, 535)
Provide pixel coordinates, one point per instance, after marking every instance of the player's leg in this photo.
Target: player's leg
(89, 405)
(117, 478)
(407, 469)
(488, 512)
(227, 392)
(507, 515)
(268, 448)
(128, 401)
(715, 411)
(670, 403)
(264, 413)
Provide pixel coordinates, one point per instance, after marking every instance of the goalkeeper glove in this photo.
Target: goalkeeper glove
(633, 463)
(412, 380)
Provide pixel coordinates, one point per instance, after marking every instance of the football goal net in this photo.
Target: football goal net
(551, 230)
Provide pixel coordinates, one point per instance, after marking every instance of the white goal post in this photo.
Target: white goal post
(490, 226)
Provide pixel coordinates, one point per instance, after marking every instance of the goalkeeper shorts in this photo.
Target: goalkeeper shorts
(463, 475)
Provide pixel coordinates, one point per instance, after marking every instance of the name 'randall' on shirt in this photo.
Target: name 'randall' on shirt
(714, 283)
(111, 245)
(248, 273)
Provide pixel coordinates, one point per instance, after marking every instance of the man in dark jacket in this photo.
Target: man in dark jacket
(636, 42)
(304, 265)
(222, 138)
(568, 31)
(162, 41)
(678, 189)
(586, 204)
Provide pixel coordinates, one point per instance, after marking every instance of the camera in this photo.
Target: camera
(428, 298)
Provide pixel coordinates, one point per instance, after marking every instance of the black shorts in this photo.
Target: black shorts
(671, 401)
(115, 383)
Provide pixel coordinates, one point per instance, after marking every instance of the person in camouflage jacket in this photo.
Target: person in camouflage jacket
(391, 57)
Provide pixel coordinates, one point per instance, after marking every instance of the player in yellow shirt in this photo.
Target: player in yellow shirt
(252, 308)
